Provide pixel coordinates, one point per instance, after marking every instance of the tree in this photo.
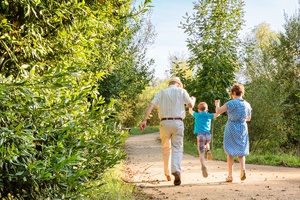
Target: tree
(213, 42)
(132, 74)
(287, 56)
(273, 89)
(177, 64)
(260, 72)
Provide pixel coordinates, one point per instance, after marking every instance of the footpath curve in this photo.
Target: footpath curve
(144, 168)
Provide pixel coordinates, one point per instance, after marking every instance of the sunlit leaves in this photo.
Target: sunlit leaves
(57, 132)
(213, 42)
(273, 68)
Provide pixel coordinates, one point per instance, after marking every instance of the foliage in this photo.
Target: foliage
(273, 90)
(57, 132)
(287, 56)
(114, 187)
(52, 144)
(178, 64)
(131, 75)
(213, 42)
(265, 125)
(144, 99)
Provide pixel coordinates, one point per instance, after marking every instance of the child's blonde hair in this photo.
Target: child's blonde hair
(202, 106)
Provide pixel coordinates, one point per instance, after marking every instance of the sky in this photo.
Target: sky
(170, 39)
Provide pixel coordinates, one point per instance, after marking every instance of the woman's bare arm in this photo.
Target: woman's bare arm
(222, 109)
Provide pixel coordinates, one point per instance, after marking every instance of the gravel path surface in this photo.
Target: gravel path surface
(144, 168)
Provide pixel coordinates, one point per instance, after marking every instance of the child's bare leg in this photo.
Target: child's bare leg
(203, 164)
(202, 159)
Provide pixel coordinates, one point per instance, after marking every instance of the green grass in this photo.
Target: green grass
(149, 129)
(192, 149)
(115, 187)
(275, 160)
(286, 160)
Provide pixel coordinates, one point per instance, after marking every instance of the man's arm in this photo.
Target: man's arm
(147, 113)
(191, 111)
(193, 101)
(191, 105)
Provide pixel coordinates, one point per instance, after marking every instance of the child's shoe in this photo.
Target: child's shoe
(209, 155)
(204, 171)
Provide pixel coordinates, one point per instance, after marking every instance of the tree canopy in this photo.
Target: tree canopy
(213, 42)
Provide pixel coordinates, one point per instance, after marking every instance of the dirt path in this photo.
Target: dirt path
(145, 170)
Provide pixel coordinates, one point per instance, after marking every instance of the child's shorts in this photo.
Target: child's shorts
(202, 139)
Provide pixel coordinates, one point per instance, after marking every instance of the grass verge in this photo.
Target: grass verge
(115, 187)
(148, 129)
(286, 160)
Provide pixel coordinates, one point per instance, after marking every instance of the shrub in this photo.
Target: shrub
(54, 140)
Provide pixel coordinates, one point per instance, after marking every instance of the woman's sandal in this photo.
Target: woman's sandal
(229, 179)
(243, 175)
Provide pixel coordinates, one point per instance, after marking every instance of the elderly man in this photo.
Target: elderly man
(171, 102)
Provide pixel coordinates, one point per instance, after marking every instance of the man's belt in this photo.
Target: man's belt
(171, 118)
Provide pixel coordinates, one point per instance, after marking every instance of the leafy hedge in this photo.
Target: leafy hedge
(57, 132)
(53, 141)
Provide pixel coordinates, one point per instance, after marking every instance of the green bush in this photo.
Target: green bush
(57, 131)
(51, 145)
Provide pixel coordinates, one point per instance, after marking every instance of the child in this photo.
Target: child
(202, 129)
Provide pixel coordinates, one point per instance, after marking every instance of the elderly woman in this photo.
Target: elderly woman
(236, 141)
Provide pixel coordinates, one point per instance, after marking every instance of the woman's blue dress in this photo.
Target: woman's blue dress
(236, 140)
